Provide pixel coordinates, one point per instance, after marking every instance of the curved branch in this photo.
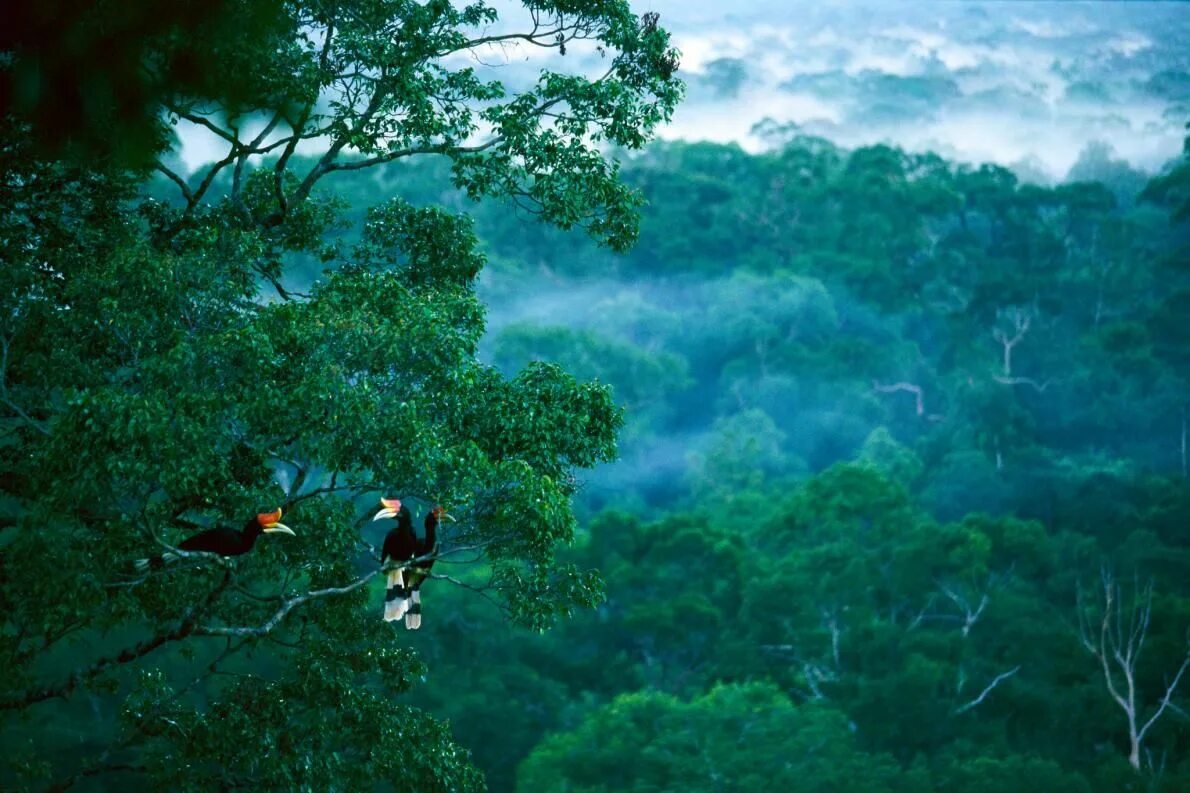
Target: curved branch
(904, 386)
(281, 613)
(441, 148)
(1169, 691)
(178, 180)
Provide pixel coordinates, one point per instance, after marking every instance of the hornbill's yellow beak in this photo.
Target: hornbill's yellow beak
(391, 507)
(447, 516)
(271, 523)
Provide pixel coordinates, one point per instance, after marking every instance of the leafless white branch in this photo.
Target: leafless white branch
(1118, 648)
(904, 386)
(1000, 678)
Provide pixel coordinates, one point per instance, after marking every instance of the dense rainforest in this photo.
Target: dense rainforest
(814, 469)
(902, 481)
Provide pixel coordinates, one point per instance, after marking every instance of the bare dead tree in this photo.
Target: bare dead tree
(903, 386)
(1038, 387)
(1021, 320)
(1117, 649)
(971, 606)
(971, 614)
(815, 675)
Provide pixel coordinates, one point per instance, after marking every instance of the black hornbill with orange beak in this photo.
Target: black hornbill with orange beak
(222, 540)
(402, 595)
(400, 545)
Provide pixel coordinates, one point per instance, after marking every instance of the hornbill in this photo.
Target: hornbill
(222, 540)
(427, 547)
(400, 545)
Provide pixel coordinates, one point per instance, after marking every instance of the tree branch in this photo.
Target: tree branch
(281, 613)
(438, 148)
(904, 386)
(1169, 691)
(178, 180)
(184, 628)
(1000, 678)
(242, 159)
(1040, 387)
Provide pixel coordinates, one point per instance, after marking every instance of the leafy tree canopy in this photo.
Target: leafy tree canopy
(158, 377)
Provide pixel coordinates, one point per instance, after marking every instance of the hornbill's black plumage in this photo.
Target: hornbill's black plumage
(428, 546)
(400, 545)
(222, 540)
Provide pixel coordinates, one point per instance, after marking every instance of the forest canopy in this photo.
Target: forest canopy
(895, 474)
(826, 468)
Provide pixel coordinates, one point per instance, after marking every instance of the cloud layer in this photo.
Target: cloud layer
(1008, 82)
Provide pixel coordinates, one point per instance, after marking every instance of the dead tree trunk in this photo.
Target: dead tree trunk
(1021, 320)
(1117, 650)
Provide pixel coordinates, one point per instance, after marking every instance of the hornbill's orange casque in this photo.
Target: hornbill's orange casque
(400, 545)
(222, 540)
(421, 570)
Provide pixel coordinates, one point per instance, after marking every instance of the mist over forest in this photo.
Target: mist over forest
(1023, 84)
(786, 397)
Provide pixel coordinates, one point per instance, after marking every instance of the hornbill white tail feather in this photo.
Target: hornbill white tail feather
(413, 615)
(155, 562)
(396, 596)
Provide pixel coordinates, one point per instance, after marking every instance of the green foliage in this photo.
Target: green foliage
(161, 374)
(745, 737)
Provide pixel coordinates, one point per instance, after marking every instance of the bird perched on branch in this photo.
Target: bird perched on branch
(400, 545)
(222, 540)
(426, 547)
(402, 597)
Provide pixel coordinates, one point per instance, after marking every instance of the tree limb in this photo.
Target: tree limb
(1169, 691)
(184, 628)
(1040, 387)
(287, 605)
(1000, 678)
(904, 386)
(178, 180)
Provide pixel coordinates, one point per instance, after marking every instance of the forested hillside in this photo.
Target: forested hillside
(896, 431)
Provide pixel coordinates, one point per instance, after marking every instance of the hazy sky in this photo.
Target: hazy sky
(1020, 83)
(1000, 81)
